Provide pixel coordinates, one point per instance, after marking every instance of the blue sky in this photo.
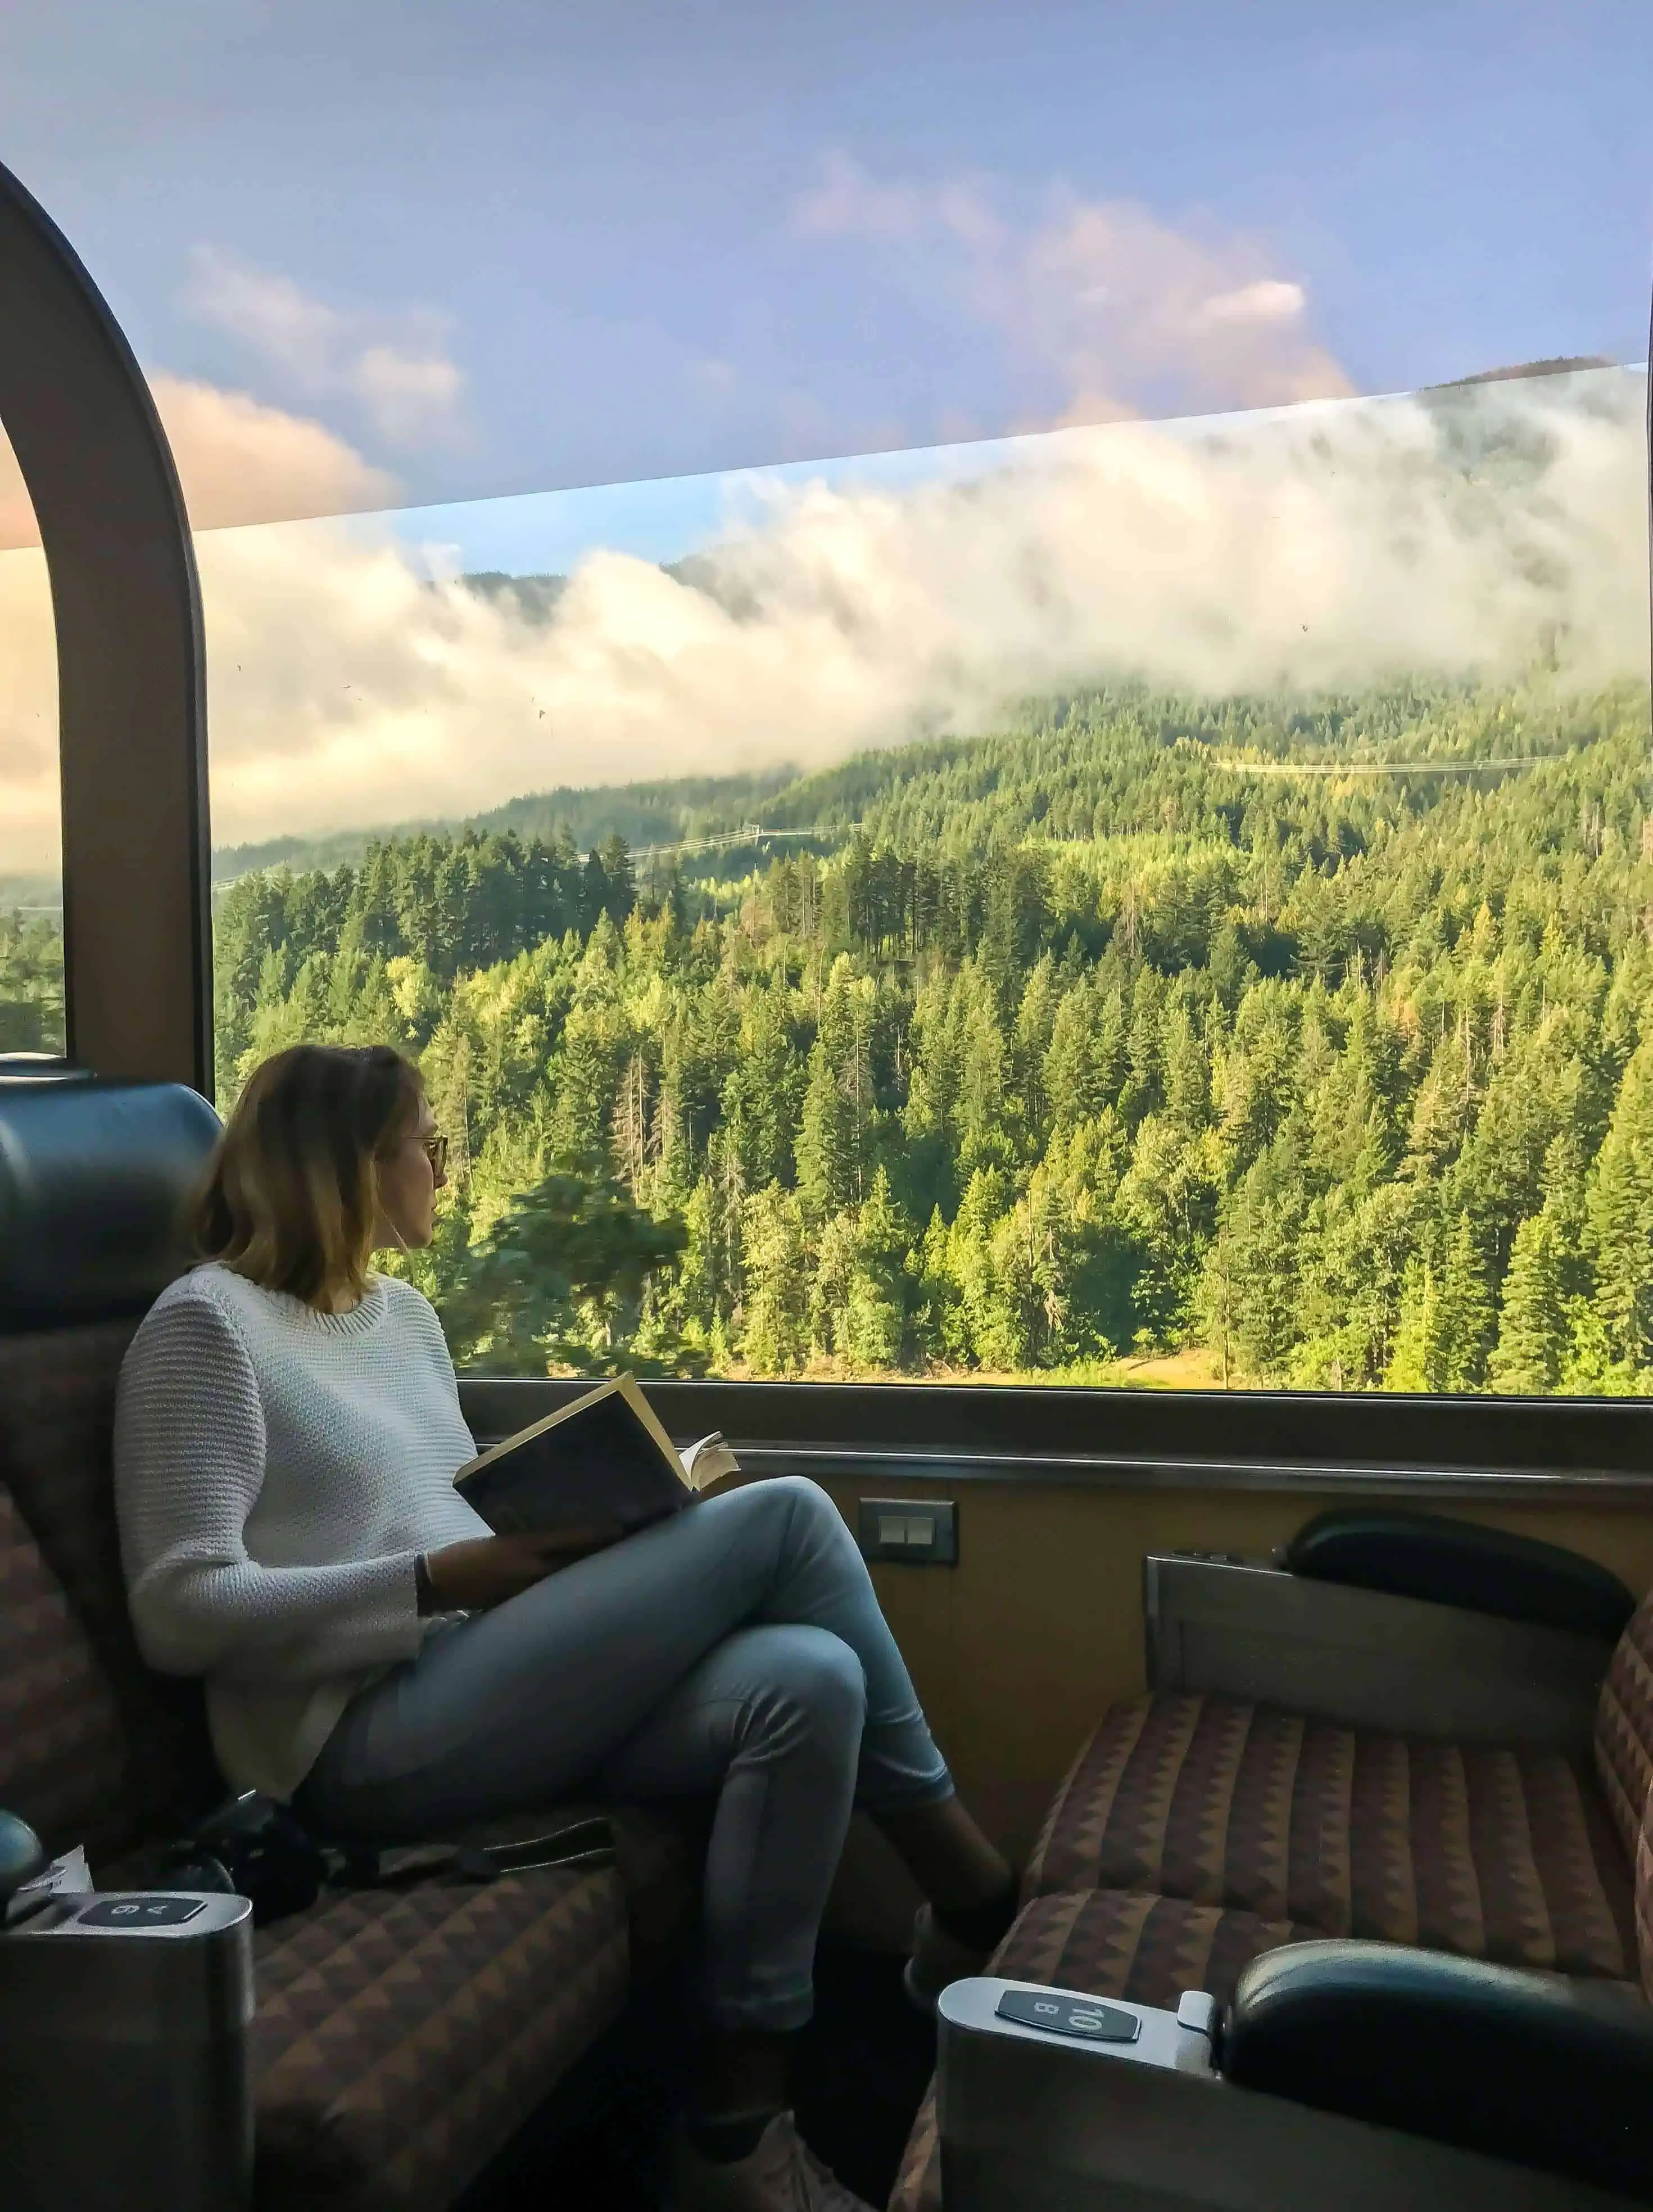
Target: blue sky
(540, 246)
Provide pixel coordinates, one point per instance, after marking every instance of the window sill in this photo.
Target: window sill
(1354, 1446)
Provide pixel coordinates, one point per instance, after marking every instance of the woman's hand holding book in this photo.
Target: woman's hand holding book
(485, 1571)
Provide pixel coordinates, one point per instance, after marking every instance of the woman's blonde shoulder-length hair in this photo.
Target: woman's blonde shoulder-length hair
(291, 1200)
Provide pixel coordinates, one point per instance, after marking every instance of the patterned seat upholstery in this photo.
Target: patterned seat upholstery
(401, 2036)
(1624, 1727)
(65, 1762)
(1512, 1854)
(1110, 1943)
(57, 1414)
(1192, 1833)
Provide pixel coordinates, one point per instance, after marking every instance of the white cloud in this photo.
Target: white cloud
(267, 311)
(1267, 300)
(1112, 310)
(1329, 546)
(239, 461)
(397, 369)
(849, 204)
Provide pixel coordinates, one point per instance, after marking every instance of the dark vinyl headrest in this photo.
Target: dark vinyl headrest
(94, 1180)
(1459, 1563)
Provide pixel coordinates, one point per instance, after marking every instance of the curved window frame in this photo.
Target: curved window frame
(132, 664)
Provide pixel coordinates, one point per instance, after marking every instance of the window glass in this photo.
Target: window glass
(1161, 904)
(31, 829)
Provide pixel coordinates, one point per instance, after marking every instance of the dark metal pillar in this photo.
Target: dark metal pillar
(132, 676)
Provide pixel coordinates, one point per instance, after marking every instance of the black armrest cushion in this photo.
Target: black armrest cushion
(22, 1856)
(1425, 1555)
(1532, 2068)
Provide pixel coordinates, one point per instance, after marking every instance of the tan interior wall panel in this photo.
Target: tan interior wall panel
(1018, 1648)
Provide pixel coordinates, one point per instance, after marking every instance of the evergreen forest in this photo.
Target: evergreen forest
(1270, 1041)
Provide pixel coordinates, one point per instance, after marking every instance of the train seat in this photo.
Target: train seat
(1507, 1853)
(401, 2036)
(1196, 1832)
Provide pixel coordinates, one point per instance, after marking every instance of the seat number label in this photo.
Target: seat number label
(1092, 2021)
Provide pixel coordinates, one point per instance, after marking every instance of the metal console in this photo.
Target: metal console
(1243, 1628)
(124, 2083)
(1036, 2120)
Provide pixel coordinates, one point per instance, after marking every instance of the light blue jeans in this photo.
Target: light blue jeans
(736, 1650)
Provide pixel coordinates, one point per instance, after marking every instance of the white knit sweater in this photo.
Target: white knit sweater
(277, 1472)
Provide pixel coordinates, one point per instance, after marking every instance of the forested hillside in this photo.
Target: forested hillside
(1145, 1025)
(1102, 1035)
(644, 814)
(31, 983)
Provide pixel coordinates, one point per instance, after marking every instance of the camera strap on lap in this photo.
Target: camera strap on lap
(587, 1843)
(259, 1848)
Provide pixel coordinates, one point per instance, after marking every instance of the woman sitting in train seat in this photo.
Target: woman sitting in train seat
(287, 1433)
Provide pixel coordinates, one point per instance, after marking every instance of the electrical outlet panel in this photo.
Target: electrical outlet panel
(918, 1531)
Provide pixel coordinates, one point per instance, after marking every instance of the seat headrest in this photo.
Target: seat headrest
(94, 1180)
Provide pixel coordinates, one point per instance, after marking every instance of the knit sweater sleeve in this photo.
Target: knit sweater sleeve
(189, 1467)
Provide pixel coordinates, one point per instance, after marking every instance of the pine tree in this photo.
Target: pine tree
(1262, 1226)
(1216, 1308)
(1141, 1094)
(584, 1069)
(775, 1339)
(937, 1332)
(981, 1069)
(1071, 1080)
(1465, 1311)
(1532, 1346)
(831, 1282)
(1260, 1076)
(630, 1128)
(1034, 1021)
(988, 1333)
(1443, 1112)
(1187, 1063)
(760, 1100)
(828, 1160)
(1620, 1210)
(1358, 1247)
(1416, 1360)
(876, 1319)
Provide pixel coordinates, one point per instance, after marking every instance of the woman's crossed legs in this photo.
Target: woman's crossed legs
(736, 1649)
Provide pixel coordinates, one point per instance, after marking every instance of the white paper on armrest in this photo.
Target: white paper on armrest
(67, 1876)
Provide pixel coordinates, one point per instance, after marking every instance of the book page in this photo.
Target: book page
(709, 1461)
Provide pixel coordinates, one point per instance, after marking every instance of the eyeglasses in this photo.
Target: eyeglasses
(435, 1150)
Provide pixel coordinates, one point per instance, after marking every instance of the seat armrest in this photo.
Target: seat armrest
(1534, 2068)
(1459, 1562)
(23, 1857)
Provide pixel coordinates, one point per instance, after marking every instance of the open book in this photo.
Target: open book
(603, 1459)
